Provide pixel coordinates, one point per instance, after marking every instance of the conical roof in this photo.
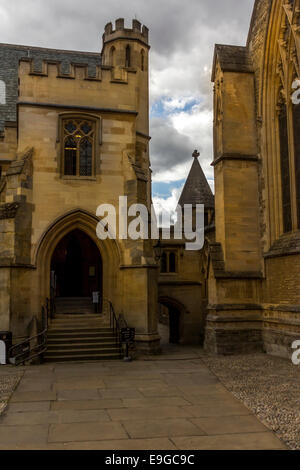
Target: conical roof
(197, 189)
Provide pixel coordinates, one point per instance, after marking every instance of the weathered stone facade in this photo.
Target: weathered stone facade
(184, 289)
(241, 292)
(254, 278)
(42, 200)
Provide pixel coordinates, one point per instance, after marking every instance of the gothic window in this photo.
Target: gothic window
(79, 143)
(285, 71)
(296, 126)
(169, 262)
(128, 56)
(2, 92)
(285, 169)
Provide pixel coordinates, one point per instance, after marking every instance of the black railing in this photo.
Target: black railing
(118, 325)
(33, 347)
(114, 323)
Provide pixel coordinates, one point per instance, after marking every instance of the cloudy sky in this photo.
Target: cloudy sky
(182, 36)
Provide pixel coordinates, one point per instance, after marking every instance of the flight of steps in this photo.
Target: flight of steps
(74, 305)
(80, 337)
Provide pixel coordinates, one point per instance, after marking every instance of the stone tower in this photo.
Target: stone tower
(75, 135)
(128, 49)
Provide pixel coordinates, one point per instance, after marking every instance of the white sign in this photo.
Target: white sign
(95, 297)
(2, 353)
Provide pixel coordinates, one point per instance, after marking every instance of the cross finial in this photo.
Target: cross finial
(196, 154)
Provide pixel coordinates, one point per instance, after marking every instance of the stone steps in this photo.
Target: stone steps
(74, 305)
(80, 338)
(83, 340)
(80, 346)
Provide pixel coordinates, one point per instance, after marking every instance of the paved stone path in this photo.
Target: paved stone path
(144, 405)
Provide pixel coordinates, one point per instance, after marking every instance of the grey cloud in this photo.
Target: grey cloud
(168, 146)
(174, 24)
(182, 36)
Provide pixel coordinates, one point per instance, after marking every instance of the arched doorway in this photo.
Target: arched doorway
(76, 267)
(169, 325)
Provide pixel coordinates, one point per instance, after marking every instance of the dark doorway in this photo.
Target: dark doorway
(174, 318)
(169, 324)
(76, 266)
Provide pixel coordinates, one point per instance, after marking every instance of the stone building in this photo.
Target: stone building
(74, 134)
(254, 272)
(183, 280)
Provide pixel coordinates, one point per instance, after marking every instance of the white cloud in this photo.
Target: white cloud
(167, 205)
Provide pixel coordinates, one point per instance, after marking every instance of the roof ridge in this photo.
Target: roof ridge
(47, 49)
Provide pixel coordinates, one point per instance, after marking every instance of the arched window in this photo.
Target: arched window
(142, 60)
(2, 92)
(285, 167)
(127, 56)
(112, 56)
(79, 141)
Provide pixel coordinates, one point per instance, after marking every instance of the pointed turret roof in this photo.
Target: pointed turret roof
(197, 189)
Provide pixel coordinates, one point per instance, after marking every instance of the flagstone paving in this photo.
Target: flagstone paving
(156, 404)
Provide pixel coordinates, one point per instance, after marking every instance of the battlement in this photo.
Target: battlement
(137, 32)
(64, 69)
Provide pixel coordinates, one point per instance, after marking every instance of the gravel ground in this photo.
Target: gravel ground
(8, 383)
(269, 386)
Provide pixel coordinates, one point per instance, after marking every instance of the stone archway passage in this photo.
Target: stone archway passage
(76, 266)
(169, 324)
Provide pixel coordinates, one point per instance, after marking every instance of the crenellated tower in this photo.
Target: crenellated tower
(127, 50)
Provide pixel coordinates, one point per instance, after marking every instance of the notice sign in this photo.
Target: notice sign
(96, 296)
(127, 335)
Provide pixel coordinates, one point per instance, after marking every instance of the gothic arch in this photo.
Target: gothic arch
(176, 313)
(171, 302)
(282, 52)
(78, 219)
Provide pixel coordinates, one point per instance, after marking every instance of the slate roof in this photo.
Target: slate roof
(197, 189)
(232, 59)
(10, 55)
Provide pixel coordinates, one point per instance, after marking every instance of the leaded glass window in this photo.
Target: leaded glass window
(86, 157)
(70, 156)
(79, 141)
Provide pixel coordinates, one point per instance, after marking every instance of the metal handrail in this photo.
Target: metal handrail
(116, 323)
(27, 352)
